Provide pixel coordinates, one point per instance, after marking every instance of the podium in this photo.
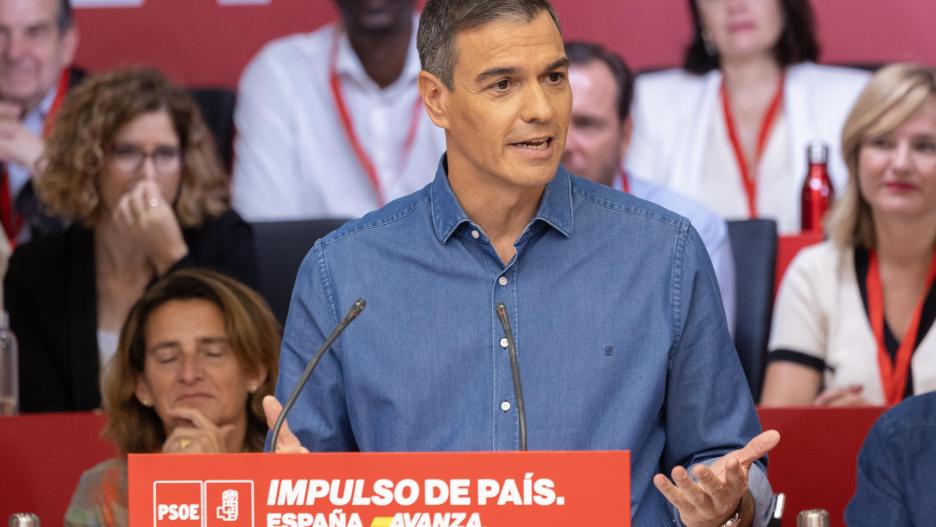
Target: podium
(474, 489)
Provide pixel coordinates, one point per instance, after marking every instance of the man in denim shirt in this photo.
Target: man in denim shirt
(615, 310)
(896, 467)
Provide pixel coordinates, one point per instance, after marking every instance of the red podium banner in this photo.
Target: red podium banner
(475, 489)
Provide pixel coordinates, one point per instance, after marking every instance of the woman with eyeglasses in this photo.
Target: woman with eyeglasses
(134, 167)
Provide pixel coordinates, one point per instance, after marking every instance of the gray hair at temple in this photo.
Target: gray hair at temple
(65, 18)
(441, 21)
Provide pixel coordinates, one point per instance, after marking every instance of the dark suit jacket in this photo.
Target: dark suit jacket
(40, 221)
(51, 295)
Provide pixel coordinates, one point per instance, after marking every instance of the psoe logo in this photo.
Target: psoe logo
(227, 512)
(211, 503)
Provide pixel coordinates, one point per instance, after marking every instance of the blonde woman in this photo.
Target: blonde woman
(853, 321)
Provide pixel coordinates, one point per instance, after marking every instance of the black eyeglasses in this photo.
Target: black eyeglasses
(130, 158)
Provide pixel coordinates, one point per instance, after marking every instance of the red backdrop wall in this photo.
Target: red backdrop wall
(200, 42)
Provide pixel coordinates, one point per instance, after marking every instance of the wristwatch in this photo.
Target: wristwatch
(735, 519)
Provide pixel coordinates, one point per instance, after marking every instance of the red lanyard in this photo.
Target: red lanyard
(893, 374)
(13, 222)
(348, 125)
(625, 183)
(64, 81)
(747, 179)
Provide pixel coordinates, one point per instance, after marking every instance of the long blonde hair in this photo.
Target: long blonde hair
(894, 94)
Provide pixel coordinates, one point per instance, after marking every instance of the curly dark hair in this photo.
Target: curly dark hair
(89, 119)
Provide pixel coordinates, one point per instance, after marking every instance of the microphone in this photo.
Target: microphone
(348, 318)
(515, 372)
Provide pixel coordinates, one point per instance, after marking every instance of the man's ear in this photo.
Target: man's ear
(627, 130)
(69, 45)
(435, 98)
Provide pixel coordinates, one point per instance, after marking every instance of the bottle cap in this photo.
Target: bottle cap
(813, 518)
(817, 152)
(24, 519)
(780, 505)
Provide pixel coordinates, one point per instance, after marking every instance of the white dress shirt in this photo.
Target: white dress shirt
(293, 158)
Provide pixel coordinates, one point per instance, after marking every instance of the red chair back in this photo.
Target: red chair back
(42, 457)
(814, 464)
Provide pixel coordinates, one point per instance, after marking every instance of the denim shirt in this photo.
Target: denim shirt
(896, 467)
(615, 311)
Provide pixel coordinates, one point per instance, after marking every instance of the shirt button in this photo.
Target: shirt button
(505, 406)
(502, 280)
(475, 234)
(503, 342)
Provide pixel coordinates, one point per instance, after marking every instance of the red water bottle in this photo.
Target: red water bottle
(817, 189)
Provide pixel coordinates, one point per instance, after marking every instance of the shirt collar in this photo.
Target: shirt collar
(555, 207)
(42, 109)
(348, 64)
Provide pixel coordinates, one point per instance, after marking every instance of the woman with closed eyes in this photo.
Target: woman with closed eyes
(196, 357)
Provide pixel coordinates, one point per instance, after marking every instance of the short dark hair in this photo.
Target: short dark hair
(581, 53)
(441, 20)
(66, 17)
(797, 42)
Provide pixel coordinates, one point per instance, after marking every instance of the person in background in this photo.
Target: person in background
(854, 316)
(597, 143)
(197, 354)
(5, 251)
(133, 165)
(38, 40)
(730, 128)
(896, 466)
(330, 124)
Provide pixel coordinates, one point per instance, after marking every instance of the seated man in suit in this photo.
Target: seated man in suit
(599, 135)
(38, 45)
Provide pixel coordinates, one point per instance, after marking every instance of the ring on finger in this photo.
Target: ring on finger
(153, 203)
(184, 443)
